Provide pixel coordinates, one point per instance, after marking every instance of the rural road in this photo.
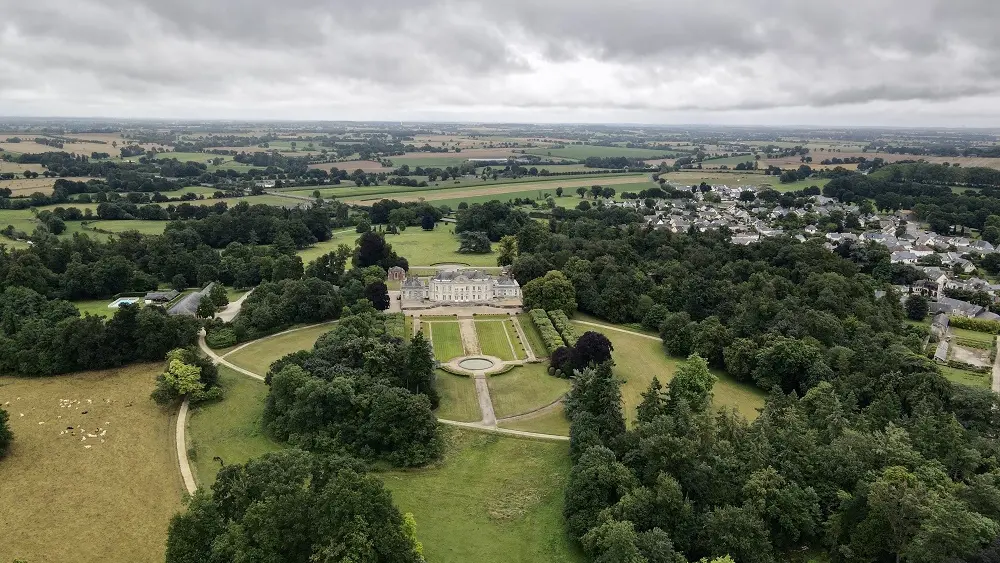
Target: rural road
(229, 313)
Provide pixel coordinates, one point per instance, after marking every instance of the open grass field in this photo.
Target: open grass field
(445, 337)
(230, 201)
(229, 429)
(525, 388)
(27, 186)
(458, 397)
(21, 219)
(550, 421)
(534, 337)
(352, 165)
(67, 496)
(713, 177)
(638, 359)
(143, 226)
(18, 168)
(492, 499)
(259, 356)
(799, 185)
(580, 152)
(965, 377)
(495, 340)
(98, 307)
(440, 246)
(499, 189)
(729, 161)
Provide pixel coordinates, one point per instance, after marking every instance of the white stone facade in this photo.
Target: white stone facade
(461, 286)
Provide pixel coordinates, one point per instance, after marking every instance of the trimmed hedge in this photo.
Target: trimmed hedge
(550, 336)
(968, 367)
(562, 324)
(978, 325)
(970, 343)
(453, 371)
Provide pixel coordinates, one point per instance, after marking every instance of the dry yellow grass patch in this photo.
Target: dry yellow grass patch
(569, 185)
(352, 165)
(27, 186)
(103, 491)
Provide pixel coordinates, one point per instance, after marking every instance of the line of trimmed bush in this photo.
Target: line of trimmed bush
(453, 371)
(971, 343)
(977, 325)
(550, 336)
(969, 367)
(562, 324)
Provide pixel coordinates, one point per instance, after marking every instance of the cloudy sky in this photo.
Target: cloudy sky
(870, 62)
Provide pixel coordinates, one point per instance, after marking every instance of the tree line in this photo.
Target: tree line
(863, 449)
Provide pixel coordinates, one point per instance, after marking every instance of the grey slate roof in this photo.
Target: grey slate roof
(189, 304)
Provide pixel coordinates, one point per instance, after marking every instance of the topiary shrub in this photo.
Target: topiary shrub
(221, 338)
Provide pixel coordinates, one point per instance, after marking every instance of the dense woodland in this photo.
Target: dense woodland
(362, 390)
(864, 450)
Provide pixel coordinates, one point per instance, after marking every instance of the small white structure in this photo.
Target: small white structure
(461, 286)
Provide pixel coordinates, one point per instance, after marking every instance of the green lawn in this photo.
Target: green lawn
(538, 195)
(446, 338)
(492, 500)
(21, 219)
(493, 339)
(515, 338)
(552, 421)
(638, 359)
(259, 356)
(230, 428)
(144, 227)
(533, 336)
(97, 307)
(458, 398)
(524, 389)
(440, 246)
(964, 377)
(729, 161)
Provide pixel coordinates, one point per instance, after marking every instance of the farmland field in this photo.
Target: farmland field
(68, 496)
(22, 186)
(638, 359)
(446, 339)
(525, 388)
(229, 429)
(259, 356)
(580, 152)
(458, 397)
(965, 377)
(491, 500)
(461, 194)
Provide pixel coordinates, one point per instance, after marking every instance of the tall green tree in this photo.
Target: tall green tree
(293, 507)
(507, 251)
(550, 292)
(6, 435)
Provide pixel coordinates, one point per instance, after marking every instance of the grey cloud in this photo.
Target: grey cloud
(475, 57)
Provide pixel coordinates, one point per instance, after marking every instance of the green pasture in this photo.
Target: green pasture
(229, 429)
(440, 246)
(580, 152)
(965, 377)
(492, 499)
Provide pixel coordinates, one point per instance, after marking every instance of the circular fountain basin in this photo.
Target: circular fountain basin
(476, 364)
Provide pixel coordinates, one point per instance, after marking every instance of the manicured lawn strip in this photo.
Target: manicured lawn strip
(515, 338)
(493, 339)
(552, 421)
(446, 338)
(638, 359)
(408, 327)
(964, 377)
(65, 501)
(525, 388)
(97, 307)
(458, 398)
(492, 500)
(259, 356)
(531, 333)
(229, 429)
